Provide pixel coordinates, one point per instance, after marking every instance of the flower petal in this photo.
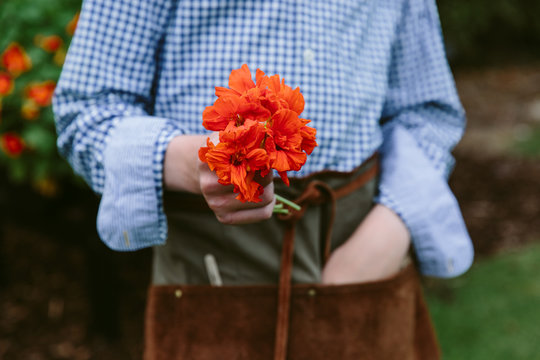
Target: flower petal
(238, 179)
(223, 91)
(219, 115)
(308, 139)
(240, 79)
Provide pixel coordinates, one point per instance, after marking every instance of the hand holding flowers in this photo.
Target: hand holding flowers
(260, 129)
(183, 171)
(257, 128)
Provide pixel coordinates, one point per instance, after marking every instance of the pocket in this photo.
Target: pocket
(159, 323)
(385, 319)
(372, 320)
(208, 323)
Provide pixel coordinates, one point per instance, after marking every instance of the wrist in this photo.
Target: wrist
(181, 163)
(374, 251)
(389, 222)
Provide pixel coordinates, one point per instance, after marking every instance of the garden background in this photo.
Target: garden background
(63, 295)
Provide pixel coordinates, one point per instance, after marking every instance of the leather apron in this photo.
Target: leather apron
(271, 304)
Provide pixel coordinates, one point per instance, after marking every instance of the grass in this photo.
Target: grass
(493, 311)
(529, 143)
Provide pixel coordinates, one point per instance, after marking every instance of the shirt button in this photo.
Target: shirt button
(309, 55)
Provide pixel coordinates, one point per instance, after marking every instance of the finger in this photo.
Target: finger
(211, 187)
(247, 216)
(224, 203)
(267, 197)
(208, 181)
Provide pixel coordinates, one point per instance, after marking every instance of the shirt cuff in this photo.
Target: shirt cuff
(420, 195)
(130, 214)
(166, 135)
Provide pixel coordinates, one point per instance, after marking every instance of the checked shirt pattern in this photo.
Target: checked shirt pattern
(140, 72)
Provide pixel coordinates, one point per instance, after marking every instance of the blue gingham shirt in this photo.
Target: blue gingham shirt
(373, 74)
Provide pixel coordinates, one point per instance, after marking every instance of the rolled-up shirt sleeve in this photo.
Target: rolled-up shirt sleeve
(422, 122)
(103, 110)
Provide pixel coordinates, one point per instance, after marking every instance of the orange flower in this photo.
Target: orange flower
(218, 116)
(72, 25)
(29, 110)
(308, 137)
(285, 148)
(41, 93)
(242, 101)
(259, 130)
(6, 83)
(237, 157)
(12, 144)
(240, 81)
(49, 43)
(284, 97)
(15, 59)
(232, 110)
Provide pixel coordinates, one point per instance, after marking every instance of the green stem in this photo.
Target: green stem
(287, 202)
(281, 211)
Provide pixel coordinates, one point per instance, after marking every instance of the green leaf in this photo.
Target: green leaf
(17, 170)
(40, 139)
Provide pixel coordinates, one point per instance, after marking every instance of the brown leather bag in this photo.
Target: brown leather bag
(385, 319)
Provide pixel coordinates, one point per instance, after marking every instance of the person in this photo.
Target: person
(139, 74)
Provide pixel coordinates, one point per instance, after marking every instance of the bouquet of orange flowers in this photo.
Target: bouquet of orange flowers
(260, 129)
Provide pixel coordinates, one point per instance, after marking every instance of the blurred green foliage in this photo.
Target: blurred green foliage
(490, 32)
(22, 20)
(528, 145)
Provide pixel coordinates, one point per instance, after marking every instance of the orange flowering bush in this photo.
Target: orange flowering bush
(12, 144)
(6, 83)
(51, 43)
(15, 59)
(31, 57)
(260, 129)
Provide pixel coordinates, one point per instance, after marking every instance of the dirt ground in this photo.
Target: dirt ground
(63, 295)
(497, 188)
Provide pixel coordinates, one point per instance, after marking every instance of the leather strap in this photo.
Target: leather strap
(316, 193)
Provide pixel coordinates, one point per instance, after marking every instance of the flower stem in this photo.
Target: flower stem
(287, 202)
(281, 211)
